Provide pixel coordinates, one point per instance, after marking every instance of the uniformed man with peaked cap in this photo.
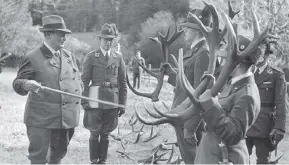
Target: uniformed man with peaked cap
(270, 126)
(103, 68)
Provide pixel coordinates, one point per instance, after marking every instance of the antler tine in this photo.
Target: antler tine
(166, 106)
(258, 37)
(154, 115)
(233, 46)
(162, 120)
(183, 80)
(166, 37)
(177, 33)
(174, 59)
(148, 71)
(199, 23)
(232, 13)
(148, 95)
(156, 40)
(215, 26)
(165, 114)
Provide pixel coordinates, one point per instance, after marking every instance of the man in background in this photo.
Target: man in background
(269, 127)
(137, 70)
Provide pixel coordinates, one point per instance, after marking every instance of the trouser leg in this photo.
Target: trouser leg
(134, 79)
(138, 82)
(262, 150)
(60, 139)
(39, 142)
(94, 147)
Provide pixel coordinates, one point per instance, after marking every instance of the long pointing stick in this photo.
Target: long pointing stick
(82, 97)
(3, 58)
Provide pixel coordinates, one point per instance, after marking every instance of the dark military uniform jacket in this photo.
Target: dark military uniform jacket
(272, 88)
(46, 109)
(97, 70)
(228, 121)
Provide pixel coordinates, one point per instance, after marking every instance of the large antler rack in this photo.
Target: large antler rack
(190, 107)
(164, 42)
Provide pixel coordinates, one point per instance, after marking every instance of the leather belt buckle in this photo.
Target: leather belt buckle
(106, 84)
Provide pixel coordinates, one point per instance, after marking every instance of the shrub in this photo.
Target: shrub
(158, 23)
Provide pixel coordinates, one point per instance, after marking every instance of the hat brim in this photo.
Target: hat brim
(61, 30)
(106, 36)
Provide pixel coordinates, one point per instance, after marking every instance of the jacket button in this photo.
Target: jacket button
(61, 79)
(76, 90)
(63, 103)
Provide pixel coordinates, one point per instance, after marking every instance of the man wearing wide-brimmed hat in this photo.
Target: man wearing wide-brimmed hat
(196, 62)
(105, 70)
(50, 117)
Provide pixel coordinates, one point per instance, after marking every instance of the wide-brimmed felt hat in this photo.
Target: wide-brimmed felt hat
(243, 44)
(204, 16)
(53, 23)
(108, 31)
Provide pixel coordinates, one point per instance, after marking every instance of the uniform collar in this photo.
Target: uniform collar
(238, 78)
(262, 68)
(51, 49)
(104, 52)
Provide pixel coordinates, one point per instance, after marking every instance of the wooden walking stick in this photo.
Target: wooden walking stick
(82, 97)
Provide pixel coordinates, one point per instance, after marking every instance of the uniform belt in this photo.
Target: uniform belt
(267, 105)
(108, 84)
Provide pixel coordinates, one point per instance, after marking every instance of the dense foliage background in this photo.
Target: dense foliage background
(137, 20)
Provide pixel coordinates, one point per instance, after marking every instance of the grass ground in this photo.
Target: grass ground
(14, 142)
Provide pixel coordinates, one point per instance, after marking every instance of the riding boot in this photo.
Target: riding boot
(94, 151)
(103, 151)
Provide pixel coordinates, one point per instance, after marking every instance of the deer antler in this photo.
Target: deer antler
(232, 13)
(164, 42)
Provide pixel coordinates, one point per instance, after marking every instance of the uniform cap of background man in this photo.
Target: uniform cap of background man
(53, 23)
(108, 31)
(204, 16)
(243, 44)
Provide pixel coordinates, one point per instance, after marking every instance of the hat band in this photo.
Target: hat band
(55, 26)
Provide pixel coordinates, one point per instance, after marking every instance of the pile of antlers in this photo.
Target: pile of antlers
(155, 155)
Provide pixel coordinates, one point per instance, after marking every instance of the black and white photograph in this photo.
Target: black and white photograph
(144, 82)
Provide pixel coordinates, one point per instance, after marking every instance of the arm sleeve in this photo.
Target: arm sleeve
(280, 102)
(25, 72)
(232, 128)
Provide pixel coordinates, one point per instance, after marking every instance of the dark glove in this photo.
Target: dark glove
(86, 107)
(276, 135)
(121, 111)
(168, 69)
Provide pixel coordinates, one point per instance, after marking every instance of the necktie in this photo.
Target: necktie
(106, 56)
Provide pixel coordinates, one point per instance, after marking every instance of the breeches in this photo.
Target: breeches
(48, 145)
(263, 148)
(101, 122)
